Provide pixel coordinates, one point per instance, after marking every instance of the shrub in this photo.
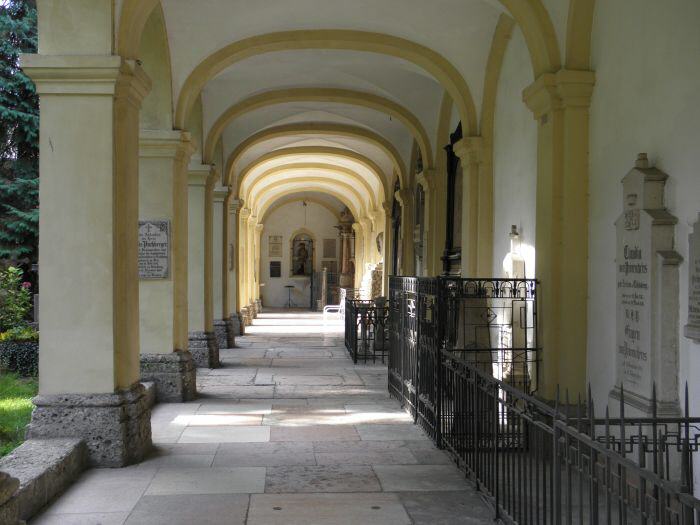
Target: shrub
(21, 357)
(15, 299)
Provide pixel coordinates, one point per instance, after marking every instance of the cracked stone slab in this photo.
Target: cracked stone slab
(331, 478)
(329, 509)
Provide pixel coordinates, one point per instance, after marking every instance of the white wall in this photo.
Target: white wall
(515, 158)
(645, 100)
(284, 221)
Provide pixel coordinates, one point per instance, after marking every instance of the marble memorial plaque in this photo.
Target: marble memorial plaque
(646, 346)
(692, 329)
(154, 249)
(274, 246)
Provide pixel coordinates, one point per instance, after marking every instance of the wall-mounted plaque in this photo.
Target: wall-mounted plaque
(692, 329)
(275, 268)
(154, 249)
(329, 246)
(274, 246)
(646, 294)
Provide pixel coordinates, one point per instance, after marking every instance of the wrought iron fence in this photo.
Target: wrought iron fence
(534, 462)
(366, 331)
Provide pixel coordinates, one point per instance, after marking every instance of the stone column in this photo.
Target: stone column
(559, 103)
(469, 150)
(89, 364)
(243, 266)
(165, 359)
(405, 198)
(202, 342)
(250, 267)
(219, 260)
(388, 252)
(256, 268)
(233, 321)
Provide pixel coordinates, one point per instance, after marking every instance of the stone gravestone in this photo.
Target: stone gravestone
(692, 329)
(154, 249)
(647, 295)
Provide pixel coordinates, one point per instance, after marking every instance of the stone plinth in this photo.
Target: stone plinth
(204, 350)
(174, 375)
(115, 427)
(8, 504)
(232, 330)
(221, 333)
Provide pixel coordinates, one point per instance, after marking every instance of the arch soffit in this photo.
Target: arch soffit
(369, 164)
(331, 190)
(275, 205)
(341, 96)
(258, 189)
(531, 16)
(314, 128)
(352, 40)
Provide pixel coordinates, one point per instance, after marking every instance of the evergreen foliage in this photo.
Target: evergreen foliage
(19, 135)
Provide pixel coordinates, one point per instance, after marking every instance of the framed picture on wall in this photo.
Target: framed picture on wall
(329, 248)
(275, 269)
(274, 246)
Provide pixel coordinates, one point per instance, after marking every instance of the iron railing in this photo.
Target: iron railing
(534, 462)
(366, 334)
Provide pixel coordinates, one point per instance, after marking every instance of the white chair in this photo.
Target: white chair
(336, 308)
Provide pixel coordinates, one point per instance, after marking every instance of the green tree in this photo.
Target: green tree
(19, 135)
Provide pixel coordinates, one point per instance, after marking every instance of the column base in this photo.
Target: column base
(115, 427)
(245, 318)
(221, 333)
(241, 323)
(174, 374)
(204, 350)
(258, 306)
(232, 330)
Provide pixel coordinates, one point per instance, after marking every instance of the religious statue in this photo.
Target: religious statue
(301, 255)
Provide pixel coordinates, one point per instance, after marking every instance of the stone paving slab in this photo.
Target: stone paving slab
(264, 454)
(225, 434)
(189, 509)
(327, 509)
(403, 478)
(302, 437)
(215, 480)
(325, 478)
(314, 433)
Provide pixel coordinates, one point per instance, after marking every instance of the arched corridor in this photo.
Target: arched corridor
(286, 431)
(508, 181)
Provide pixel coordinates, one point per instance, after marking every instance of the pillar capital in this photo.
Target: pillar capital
(165, 144)
(220, 193)
(470, 149)
(198, 174)
(386, 206)
(244, 213)
(561, 90)
(404, 196)
(252, 220)
(259, 227)
(235, 206)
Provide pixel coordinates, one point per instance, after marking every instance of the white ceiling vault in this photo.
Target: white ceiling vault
(459, 31)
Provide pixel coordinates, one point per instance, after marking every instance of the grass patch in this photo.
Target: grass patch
(15, 409)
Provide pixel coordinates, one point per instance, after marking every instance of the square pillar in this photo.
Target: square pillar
(243, 267)
(89, 362)
(165, 358)
(230, 286)
(219, 266)
(202, 341)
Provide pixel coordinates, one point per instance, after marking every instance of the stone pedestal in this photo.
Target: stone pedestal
(204, 350)
(115, 427)
(241, 323)
(232, 330)
(221, 333)
(173, 373)
(258, 306)
(9, 510)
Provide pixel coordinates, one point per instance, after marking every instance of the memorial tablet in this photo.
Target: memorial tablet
(154, 249)
(692, 329)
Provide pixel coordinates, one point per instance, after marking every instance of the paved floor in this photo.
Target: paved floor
(288, 431)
